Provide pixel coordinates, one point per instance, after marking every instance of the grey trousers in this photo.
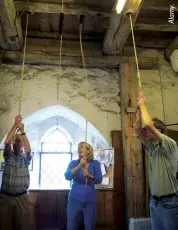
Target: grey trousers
(14, 212)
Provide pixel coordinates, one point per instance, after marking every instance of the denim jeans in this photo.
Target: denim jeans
(164, 213)
(74, 208)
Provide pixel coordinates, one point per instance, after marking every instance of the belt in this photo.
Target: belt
(162, 197)
(13, 194)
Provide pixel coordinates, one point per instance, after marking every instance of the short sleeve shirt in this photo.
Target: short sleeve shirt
(162, 166)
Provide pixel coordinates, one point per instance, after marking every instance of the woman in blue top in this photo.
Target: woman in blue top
(82, 197)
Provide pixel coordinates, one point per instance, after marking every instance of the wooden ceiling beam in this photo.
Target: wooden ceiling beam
(155, 23)
(159, 5)
(3, 42)
(11, 24)
(66, 36)
(71, 9)
(71, 48)
(159, 8)
(15, 57)
(162, 27)
(149, 42)
(54, 22)
(119, 27)
(44, 22)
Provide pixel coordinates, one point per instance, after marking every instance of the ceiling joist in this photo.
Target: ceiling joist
(3, 42)
(71, 9)
(159, 5)
(119, 28)
(149, 42)
(157, 27)
(11, 25)
(156, 24)
(66, 36)
(12, 57)
(72, 48)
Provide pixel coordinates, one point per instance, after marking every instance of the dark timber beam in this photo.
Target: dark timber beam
(159, 5)
(70, 48)
(11, 25)
(3, 42)
(152, 25)
(54, 8)
(119, 28)
(15, 57)
(66, 36)
(149, 42)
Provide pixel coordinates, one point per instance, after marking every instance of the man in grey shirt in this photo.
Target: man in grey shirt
(162, 165)
(14, 200)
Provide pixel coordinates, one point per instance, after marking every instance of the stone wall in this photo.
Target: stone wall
(40, 91)
(161, 90)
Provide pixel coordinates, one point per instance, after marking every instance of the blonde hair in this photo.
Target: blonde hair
(89, 152)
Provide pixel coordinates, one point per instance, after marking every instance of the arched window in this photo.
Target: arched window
(54, 159)
(56, 141)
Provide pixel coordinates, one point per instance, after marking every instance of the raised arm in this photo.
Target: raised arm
(11, 134)
(26, 144)
(138, 127)
(146, 121)
(9, 138)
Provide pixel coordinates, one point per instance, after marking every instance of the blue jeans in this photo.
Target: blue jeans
(74, 209)
(164, 213)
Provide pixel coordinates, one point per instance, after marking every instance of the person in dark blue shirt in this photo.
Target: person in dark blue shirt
(85, 173)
